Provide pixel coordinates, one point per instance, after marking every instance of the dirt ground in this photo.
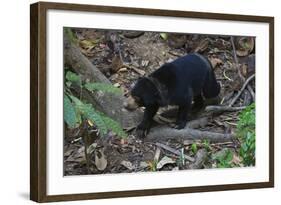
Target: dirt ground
(123, 57)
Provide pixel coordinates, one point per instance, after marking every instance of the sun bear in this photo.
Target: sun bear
(180, 82)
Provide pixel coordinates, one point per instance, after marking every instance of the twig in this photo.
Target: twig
(139, 71)
(221, 143)
(236, 59)
(231, 123)
(157, 154)
(234, 49)
(222, 101)
(249, 87)
(76, 140)
(215, 109)
(174, 54)
(129, 129)
(241, 90)
(174, 151)
(226, 77)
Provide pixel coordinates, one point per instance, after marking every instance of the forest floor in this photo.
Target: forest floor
(123, 57)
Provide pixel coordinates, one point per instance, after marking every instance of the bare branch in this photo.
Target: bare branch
(174, 151)
(241, 90)
(218, 109)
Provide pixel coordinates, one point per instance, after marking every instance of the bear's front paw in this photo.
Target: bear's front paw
(141, 131)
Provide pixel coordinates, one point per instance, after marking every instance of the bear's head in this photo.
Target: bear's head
(144, 93)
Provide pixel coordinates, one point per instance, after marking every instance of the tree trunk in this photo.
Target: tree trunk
(110, 104)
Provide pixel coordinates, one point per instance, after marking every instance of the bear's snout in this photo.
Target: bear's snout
(130, 103)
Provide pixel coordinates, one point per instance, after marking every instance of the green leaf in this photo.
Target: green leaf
(73, 77)
(206, 144)
(244, 147)
(114, 126)
(164, 36)
(194, 148)
(102, 87)
(90, 113)
(229, 156)
(247, 134)
(103, 122)
(69, 113)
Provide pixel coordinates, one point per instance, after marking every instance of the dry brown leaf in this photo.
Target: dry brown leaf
(68, 152)
(245, 45)
(176, 40)
(77, 156)
(215, 62)
(139, 71)
(133, 34)
(128, 165)
(124, 69)
(202, 46)
(244, 70)
(100, 159)
(236, 160)
(143, 165)
(157, 154)
(165, 160)
(116, 63)
(87, 46)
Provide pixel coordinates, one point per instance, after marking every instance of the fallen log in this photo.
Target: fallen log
(164, 133)
(110, 104)
(198, 123)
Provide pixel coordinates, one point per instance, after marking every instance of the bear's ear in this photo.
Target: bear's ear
(133, 85)
(140, 78)
(135, 82)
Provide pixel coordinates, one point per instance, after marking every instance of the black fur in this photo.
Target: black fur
(177, 83)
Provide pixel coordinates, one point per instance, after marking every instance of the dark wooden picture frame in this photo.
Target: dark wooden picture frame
(38, 101)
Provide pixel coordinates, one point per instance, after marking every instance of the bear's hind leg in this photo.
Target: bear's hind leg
(182, 115)
(198, 103)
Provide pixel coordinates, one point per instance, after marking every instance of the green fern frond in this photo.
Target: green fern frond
(90, 113)
(114, 126)
(103, 122)
(73, 77)
(69, 112)
(102, 87)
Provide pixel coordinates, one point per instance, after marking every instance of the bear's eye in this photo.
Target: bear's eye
(136, 98)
